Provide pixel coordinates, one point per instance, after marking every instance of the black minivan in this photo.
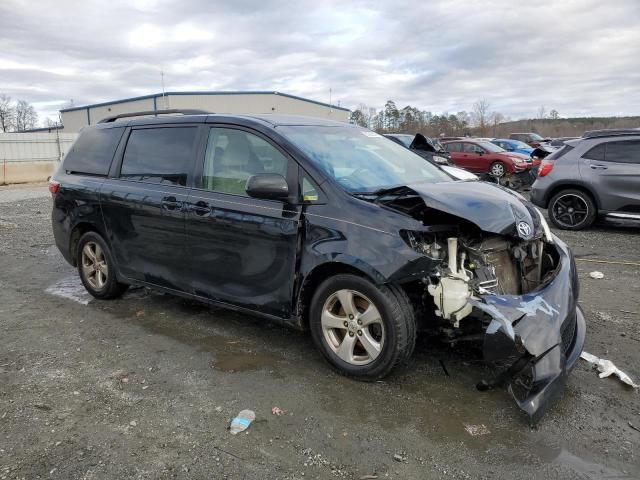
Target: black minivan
(324, 226)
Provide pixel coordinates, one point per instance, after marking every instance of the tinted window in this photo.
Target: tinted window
(596, 153)
(233, 156)
(623, 151)
(93, 151)
(159, 155)
(472, 148)
(559, 153)
(453, 147)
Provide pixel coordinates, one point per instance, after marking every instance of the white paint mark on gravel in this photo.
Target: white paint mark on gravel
(70, 288)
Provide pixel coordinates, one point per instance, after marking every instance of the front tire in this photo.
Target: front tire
(97, 268)
(572, 210)
(497, 169)
(363, 330)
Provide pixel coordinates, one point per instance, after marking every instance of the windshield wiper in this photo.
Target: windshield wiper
(376, 194)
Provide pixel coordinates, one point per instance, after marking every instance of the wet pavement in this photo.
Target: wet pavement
(146, 385)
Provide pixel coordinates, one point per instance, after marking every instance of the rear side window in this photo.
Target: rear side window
(596, 153)
(93, 151)
(627, 151)
(159, 155)
(559, 153)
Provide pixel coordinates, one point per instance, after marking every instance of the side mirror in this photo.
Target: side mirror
(269, 186)
(480, 152)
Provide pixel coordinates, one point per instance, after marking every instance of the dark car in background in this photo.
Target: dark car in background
(426, 147)
(530, 138)
(326, 227)
(597, 175)
(482, 157)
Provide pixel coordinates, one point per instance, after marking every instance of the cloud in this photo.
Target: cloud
(581, 57)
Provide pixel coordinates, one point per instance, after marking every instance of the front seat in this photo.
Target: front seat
(232, 166)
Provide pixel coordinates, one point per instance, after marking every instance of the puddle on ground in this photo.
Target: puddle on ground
(70, 288)
(230, 354)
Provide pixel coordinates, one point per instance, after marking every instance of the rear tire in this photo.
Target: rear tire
(572, 210)
(96, 267)
(372, 335)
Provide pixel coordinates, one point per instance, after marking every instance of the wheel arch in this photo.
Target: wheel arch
(77, 232)
(571, 186)
(312, 280)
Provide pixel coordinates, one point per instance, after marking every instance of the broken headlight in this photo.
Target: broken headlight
(424, 243)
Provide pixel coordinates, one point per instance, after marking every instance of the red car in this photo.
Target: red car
(480, 156)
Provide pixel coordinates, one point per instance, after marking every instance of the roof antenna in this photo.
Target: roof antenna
(164, 98)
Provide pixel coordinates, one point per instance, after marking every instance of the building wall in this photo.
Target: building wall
(32, 156)
(236, 103)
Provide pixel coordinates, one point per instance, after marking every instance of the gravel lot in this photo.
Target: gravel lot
(145, 386)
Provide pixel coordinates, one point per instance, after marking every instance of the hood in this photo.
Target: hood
(490, 207)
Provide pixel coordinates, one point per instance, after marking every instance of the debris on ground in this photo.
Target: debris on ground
(368, 477)
(242, 421)
(476, 430)
(633, 426)
(277, 411)
(399, 458)
(607, 367)
(596, 275)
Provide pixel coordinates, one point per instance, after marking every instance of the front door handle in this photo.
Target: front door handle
(200, 208)
(170, 203)
(599, 167)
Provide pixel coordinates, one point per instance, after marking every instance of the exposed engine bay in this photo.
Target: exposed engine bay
(479, 265)
(491, 271)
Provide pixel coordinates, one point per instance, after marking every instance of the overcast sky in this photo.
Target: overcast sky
(580, 57)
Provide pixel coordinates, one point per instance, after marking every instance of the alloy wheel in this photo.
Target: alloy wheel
(497, 169)
(352, 327)
(94, 265)
(570, 210)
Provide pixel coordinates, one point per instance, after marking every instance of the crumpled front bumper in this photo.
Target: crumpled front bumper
(536, 339)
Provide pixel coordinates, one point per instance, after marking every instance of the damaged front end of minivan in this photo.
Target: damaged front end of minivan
(490, 270)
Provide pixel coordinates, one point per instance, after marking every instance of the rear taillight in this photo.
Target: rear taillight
(54, 187)
(545, 168)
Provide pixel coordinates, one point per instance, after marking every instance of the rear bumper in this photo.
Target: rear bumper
(537, 196)
(535, 339)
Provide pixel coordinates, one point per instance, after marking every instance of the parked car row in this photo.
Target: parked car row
(578, 179)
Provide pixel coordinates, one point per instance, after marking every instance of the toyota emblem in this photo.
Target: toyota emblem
(524, 229)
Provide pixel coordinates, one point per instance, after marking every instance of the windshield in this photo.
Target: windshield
(490, 147)
(361, 160)
(535, 136)
(519, 144)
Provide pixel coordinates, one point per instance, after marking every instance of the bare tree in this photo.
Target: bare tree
(480, 115)
(553, 114)
(542, 113)
(26, 116)
(7, 113)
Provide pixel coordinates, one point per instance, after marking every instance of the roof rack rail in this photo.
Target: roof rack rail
(611, 132)
(153, 112)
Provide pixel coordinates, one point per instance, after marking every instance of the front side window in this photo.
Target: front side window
(624, 151)
(232, 156)
(359, 160)
(159, 155)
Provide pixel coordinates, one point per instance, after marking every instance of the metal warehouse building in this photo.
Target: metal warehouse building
(75, 118)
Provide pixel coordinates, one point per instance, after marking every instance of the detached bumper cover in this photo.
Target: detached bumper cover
(536, 339)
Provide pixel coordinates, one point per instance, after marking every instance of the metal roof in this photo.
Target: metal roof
(159, 95)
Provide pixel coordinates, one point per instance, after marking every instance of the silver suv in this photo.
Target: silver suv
(595, 175)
